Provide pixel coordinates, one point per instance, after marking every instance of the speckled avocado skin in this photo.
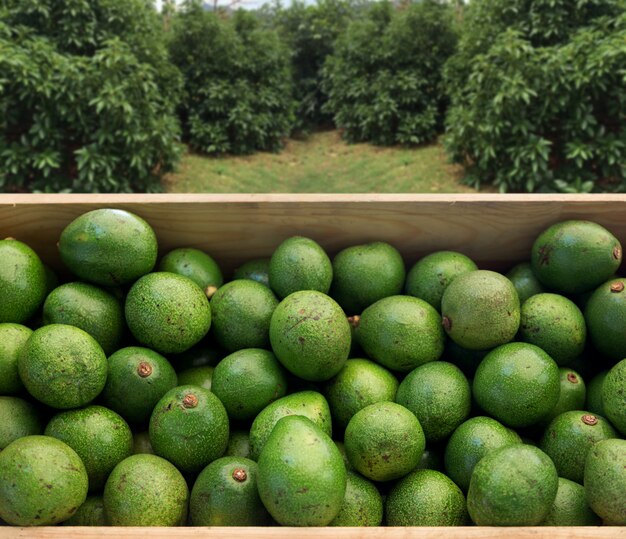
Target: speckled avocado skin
(425, 498)
(363, 274)
(605, 315)
(62, 366)
(108, 247)
(515, 485)
(568, 439)
(18, 418)
(605, 480)
(52, 490)
(309, 404)
(310, 335)
(146, 490)
(89, 308)
(189, 435)
(12, 339)
(575, 256)
(238, 444)
(302, 478)
(241, 313)
(571, 395)
(22, 281)
(299, 263)
(614, 396)
(100, 437)
(167, 312)
(524, 281)
(195, 264)
(362, 504)
(197, 376)
(90, 513)
(256, 270)
(570, 507)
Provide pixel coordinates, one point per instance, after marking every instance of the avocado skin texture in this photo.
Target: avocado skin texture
(605, 480)
(431, 275)
(100, 437)
(194, 264)
(425, 498)
(62, 366)
(605, 316)
(614, 396)
(22, 281)
(571, 396)
(517, 383)
(299, 263)
(189, 436)
(515, 485)
(12, 339)
(90, 513)
(238, 444)
(130, 394)
(440, 397)
(524, 281)
(241, 313)
(18, 418)
(470, 442)
(363, 274)
(255, 270)
(146, 490)
(574, 256)
(401, 333)
(89, 308)
(225, 494)
(362, 504)
(167, 312)
(108, 247)
(570, 507)
(480, 310)
(310, 335)
(593, 401)
(52, 466)
(384, 441)
(302, 478)
(309, 404)
(197, 376)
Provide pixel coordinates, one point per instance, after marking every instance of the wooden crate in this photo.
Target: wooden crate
(495, 230)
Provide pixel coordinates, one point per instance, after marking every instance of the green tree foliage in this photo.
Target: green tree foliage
(238, 85)
(86, 96)
(384, 79)
(538, 95)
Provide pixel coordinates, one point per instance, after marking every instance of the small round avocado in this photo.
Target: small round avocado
(363, 274)
(241, 313)
(568, 439)
(571, 396)
(12, 339)
(225, 494)
(62, 366)
(517, 383)
(22, 281)
(605, 480)
(431, 275)
(197, 376)
(470, 442)
(302, 478)
(146, 490)
(42, 482)
(360, 383)
(362, 504)
(189, 427)
(90, 513)
(18, 418)
(605, 315)
(554, 324)
(572, 257)
(401, 333)
(425, 498)
(137, 379)
(384, 441)
(247, 381)
(440, 397)
(108, 247)
(480, 310)
(238, 444)
(89, 308)
(255, 270)
(141, 443)
(614, 396)
(524, 281)
(299, 263)
(196, 265)
(570, 507)
(515, 485)
(100, 437)
(310, 335)
(167, 312)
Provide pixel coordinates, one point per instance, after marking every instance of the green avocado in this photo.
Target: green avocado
(204, 354)
(571, 396)
(197, 376)
(605, 316)
(570, 507)
(18, 418)
(90, 513)
(524, 281)
(195, 264)
(614, 396)
(362, 504)
(12, 339)
(238, 444)
(594, 402)
(255, 270)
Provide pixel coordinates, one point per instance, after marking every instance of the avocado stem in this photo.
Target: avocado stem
(210, 290)
(354, 320)
(240, 475)
(589, 419)
(617, 287)
(144, 369)
(190, 401)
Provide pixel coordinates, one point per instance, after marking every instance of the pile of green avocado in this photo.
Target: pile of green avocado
(311, 392)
